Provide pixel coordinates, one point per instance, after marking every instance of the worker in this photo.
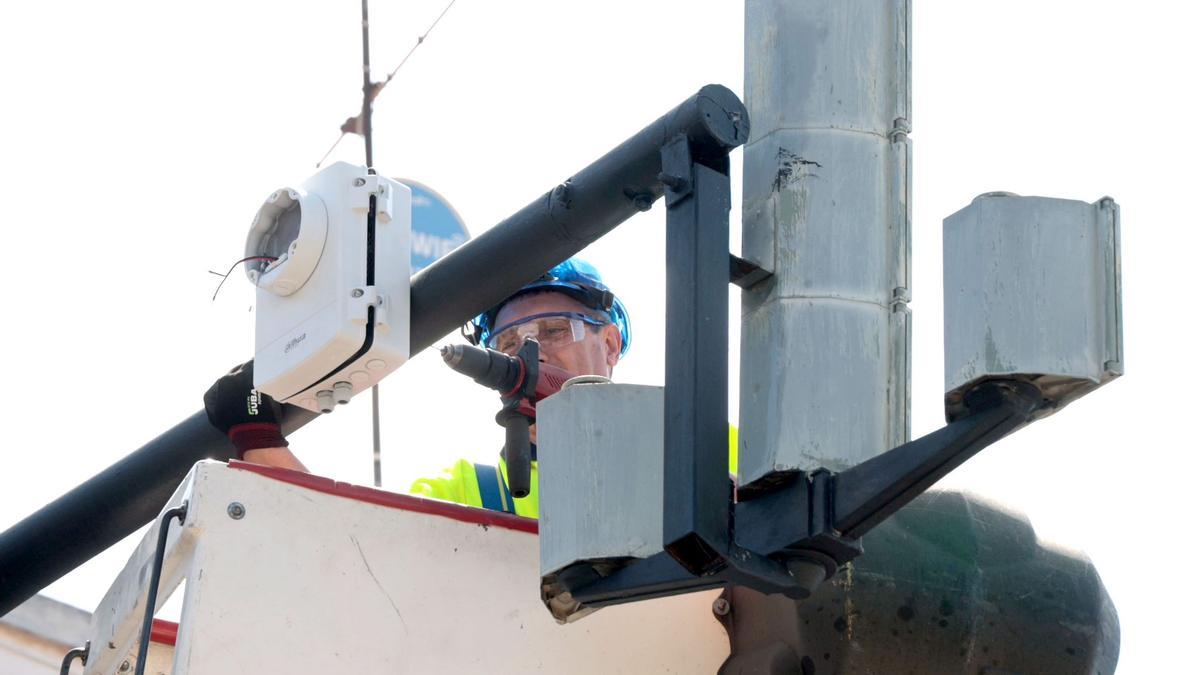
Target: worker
(580, 325)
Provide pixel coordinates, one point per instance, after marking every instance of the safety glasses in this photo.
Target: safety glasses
(553, 329)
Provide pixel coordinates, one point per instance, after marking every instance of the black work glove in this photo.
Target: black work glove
(250, 418)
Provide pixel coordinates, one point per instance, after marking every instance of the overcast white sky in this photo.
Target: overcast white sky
(139, 138)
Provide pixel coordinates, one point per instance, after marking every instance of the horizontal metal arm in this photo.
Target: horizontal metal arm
(868, 493)
(661, 575)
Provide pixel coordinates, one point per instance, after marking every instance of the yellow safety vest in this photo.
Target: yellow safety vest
(465, 482)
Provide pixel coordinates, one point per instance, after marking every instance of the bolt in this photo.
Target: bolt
(124, 666)
(359, 182)
(643, 202)
(676, 183)
(720, 606)
(356, 293)
(236, 510)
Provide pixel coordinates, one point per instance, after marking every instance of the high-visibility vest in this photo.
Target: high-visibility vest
(486, 486)
(481, 485)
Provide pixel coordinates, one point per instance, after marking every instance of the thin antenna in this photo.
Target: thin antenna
(420, 41)
(368, 86)
(361, 123)
(369, 92)
(330, 150)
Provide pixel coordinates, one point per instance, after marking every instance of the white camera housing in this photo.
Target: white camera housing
(332, 274)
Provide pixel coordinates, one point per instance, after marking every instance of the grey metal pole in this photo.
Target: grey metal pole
(825, 376)
(825, 341)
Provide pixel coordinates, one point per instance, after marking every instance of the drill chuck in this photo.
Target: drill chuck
(490, 368)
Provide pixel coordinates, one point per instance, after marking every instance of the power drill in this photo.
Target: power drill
(522, 381)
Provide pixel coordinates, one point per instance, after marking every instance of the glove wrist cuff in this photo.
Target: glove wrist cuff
(256, 435)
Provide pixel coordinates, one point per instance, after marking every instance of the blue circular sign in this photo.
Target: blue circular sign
(437, 228)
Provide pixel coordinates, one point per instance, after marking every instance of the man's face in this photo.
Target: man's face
(595, 354)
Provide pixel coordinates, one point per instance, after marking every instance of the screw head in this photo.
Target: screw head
(359, 182)
(356, 293)
(720, 607)
(124, 666)
(236, 510)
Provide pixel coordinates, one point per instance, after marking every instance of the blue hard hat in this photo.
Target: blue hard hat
(573, 277)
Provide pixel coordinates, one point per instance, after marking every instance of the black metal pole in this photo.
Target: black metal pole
(562, 222)
(106, 508)
(114, 503)
(696, 490)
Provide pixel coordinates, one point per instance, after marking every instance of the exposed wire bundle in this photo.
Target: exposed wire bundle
(232, 267)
